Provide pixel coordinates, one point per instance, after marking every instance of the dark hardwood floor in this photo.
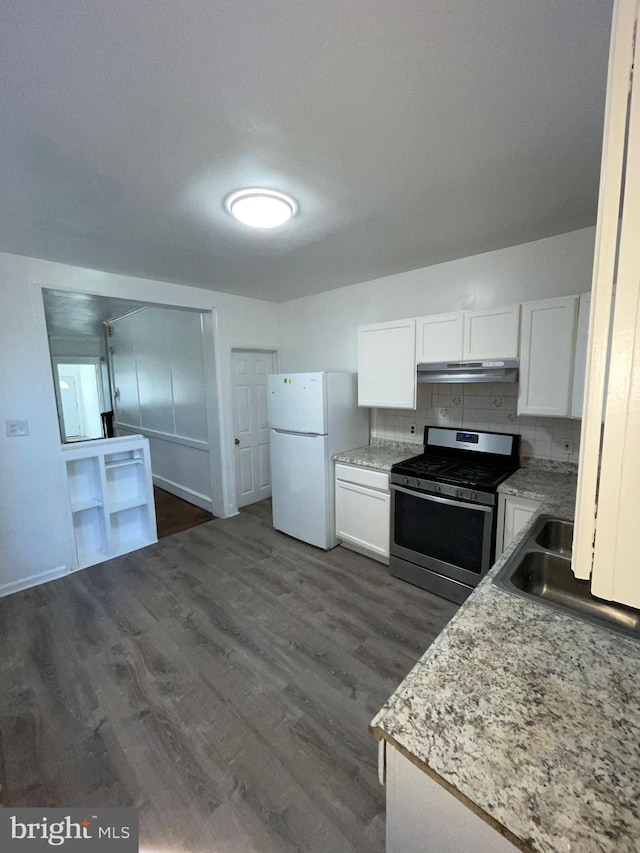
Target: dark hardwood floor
(173, 515)
(222, 681)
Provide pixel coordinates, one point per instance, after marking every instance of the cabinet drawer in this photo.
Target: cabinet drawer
(363, 477)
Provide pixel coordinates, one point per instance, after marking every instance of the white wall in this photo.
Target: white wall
(158, 369)
(35, 536)
(319, 332)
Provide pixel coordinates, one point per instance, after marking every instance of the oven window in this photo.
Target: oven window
(451, 533)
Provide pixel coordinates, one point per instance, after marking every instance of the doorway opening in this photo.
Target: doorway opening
(249, 371)
(79, 393)
(122, 368)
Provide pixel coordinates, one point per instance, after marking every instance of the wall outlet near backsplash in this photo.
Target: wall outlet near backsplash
(491, 407)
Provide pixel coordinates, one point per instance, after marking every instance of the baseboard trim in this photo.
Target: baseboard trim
(33, 580)
(182, 492)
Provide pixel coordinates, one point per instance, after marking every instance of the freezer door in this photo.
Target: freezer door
(300, 487)
(297, 402)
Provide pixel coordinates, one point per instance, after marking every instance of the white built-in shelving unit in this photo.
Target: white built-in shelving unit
(110, 497)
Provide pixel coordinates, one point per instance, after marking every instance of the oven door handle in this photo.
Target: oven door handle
(437, 500)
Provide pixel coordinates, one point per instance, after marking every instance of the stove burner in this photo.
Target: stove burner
(431, 466)
(455, 471)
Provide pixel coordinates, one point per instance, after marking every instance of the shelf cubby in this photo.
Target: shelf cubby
(130, 528)
(90, 534)
(84, 481)
(125, 480)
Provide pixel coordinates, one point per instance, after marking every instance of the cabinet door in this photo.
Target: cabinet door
(439, 338)
(363, 519)
(491, 334)
(386, 365)
(546, 362)
(615, 575)
(513, 514)
(423, 816)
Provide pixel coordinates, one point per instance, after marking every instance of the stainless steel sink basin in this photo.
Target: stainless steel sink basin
(557, 536)
(540, 569)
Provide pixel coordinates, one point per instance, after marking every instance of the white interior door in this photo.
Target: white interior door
(251, 432)
(70, 408)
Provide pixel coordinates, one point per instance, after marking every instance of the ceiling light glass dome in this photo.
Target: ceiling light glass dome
(260, 208)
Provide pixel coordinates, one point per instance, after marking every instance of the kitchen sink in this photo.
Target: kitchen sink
(540, 570)
(556, 536)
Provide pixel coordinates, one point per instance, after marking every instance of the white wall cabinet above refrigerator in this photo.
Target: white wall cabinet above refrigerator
(491, 333)
(387, 365)
(110, 497)
(547, 356)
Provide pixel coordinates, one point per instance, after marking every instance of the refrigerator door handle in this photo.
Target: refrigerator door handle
(301, 434)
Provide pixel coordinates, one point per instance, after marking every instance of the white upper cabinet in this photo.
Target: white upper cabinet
(468, 335)
(546, 356)
(387, 365)
(440, 337)
(492, 333)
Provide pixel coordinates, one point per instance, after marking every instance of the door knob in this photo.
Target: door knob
(237, 441)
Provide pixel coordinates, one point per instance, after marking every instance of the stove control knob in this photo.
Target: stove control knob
(459, 493)
(474, 496)
(416, 483)
(405, 481)
(437, 488)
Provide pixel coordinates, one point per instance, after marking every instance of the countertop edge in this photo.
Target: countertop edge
(380, 735)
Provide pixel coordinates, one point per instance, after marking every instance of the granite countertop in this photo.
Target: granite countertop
(530, 714)
(379, 455)
(553, 484)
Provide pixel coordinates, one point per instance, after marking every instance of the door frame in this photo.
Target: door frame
(276, 369)
(57, 360)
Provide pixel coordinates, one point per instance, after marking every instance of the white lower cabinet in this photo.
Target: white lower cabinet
(363, 510)
(513, 513)
(424, 817)
(110, 496)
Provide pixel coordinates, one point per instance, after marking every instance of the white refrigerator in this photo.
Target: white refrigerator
(312, 416)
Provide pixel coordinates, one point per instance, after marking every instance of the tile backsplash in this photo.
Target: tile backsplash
(490, 406)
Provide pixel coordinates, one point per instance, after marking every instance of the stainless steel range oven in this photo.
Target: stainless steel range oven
(443, 509)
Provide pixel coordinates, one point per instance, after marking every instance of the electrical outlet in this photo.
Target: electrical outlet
(16, 428)
(412, 429)
(567, 445)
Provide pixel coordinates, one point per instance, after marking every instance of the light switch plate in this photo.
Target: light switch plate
(16, 428)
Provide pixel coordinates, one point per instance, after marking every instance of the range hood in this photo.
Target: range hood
(505, 370)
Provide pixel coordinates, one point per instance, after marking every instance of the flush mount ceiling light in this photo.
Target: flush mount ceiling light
(260, 208)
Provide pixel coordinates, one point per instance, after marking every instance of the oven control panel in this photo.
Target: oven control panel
(429, 487)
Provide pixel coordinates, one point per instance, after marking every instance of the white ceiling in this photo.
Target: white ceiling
(410, 131)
